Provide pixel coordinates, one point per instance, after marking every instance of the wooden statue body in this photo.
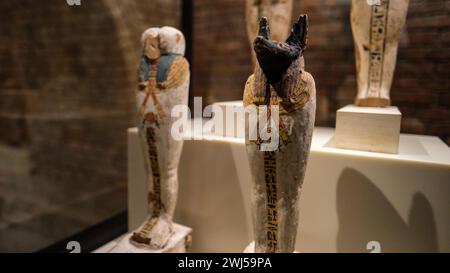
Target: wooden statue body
(376, 32)
(278, 174)
(164, 84)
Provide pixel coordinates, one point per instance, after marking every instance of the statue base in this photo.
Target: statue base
(251, 248)
(372, 129)
(179, 242)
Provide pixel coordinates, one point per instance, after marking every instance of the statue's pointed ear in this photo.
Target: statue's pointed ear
(264, 29)
(299, 32)
(303, 30)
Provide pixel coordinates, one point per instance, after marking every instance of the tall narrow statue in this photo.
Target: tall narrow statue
(279, 82)
(163, 83)
(376, 32)
(279, 12)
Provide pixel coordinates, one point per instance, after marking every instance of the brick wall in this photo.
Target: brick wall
(67, 76)
(421, 88)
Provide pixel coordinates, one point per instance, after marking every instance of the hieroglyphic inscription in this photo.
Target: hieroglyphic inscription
(270, 172)
(143, 236)
(378, 29)
(153, 156)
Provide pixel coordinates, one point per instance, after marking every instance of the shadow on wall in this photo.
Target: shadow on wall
(366, 215)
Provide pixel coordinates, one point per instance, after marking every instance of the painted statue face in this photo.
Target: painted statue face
(151, 49)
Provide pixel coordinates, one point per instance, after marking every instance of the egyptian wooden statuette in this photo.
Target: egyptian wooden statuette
(163, 83)
(376, 32)
(279, 12)
(280, 81)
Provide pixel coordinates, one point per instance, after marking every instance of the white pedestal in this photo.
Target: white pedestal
(349, 198)
(179, 243)
(251, 248)
(370, 129)
(233, 110)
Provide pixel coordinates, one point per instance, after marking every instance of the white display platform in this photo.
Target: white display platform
(373, 129)
(349, 198)
(178, 243)
(251, 248)
(234, 110)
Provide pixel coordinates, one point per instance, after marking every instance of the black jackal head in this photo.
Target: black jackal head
(276, 57)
